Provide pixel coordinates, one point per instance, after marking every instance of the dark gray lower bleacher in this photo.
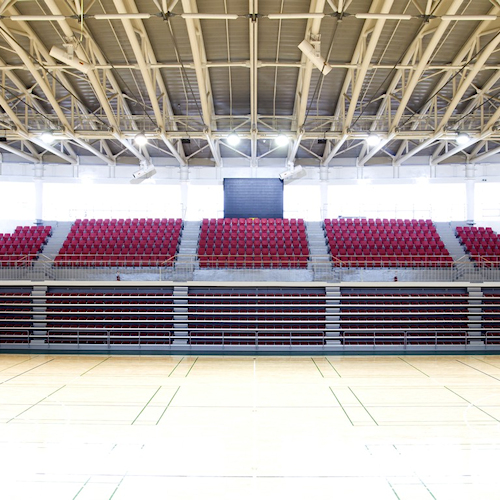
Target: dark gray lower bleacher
(177, 318)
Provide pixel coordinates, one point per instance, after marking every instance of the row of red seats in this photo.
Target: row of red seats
(349, 244)
(154, 242)
(482, 243)
(255, 262)
(380, 222)
(114, 261)
(22, 247)
(244, 243)
(392, 261)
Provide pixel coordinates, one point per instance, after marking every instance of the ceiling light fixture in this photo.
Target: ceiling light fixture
(47, 137)
(386, 17)
(141, 139)
(233, 139)
(373, 140)
(281, 140)
(313, 54)
(305, 15)
(462, 138)
(136, 15)
(198, 15)
(469, 18)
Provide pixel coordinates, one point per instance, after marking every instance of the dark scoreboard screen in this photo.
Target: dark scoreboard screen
(246, 198)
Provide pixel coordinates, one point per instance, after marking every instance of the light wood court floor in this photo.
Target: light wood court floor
(161, 427)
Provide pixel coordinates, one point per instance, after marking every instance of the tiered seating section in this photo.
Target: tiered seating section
(385, 243)
(120, 317)
(491, 316)
(259, 318)
(482, 243)
(22, 247)
(16, 317)
(253, 243)
(404, 318)
(121, 242)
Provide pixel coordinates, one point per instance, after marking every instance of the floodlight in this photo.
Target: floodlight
(373, 140)
(281, 140)
(315, 57)
(70, 60)
(145, 170)
(291, 172)
(233, 139)
(141, 139)
(463, 138)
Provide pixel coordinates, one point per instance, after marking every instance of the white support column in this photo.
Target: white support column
(38, 179)
(323, 188)
(184, 190)
(470, 188)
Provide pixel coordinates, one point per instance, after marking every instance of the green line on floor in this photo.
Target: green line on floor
(150, 399)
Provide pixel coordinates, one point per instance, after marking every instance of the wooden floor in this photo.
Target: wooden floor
(160, 427)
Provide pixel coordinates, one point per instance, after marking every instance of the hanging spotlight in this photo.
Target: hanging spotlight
(70, 59)
(281, 140)
(47, 138)
(141, 139)
(373, 140)
(463, 138)
(233, 139)
(313, 54)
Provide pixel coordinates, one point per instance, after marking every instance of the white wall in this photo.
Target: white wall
(101, 192)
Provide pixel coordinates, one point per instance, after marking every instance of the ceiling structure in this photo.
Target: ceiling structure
(419, 77)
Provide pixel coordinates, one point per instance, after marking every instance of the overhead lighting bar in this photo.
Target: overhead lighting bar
(35, 18)
(136, 15)
(306, 15)
(198, 15)
(386, 17)
(469, 18)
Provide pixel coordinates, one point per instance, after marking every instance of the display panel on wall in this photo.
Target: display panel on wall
(244, 198)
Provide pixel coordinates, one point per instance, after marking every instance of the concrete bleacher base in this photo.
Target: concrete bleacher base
(301, 275)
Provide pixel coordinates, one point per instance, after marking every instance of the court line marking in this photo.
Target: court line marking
(315, 364)
(176, 366)
(150, 399)
(371, 416)
(24, 411)
(18, 375)
(418, 369)
(335, 396)
(166, 407)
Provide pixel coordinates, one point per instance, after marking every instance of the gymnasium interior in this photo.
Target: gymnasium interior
(249, 249)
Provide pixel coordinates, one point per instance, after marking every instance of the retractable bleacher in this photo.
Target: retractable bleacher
(202, 318)
(109, 317)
